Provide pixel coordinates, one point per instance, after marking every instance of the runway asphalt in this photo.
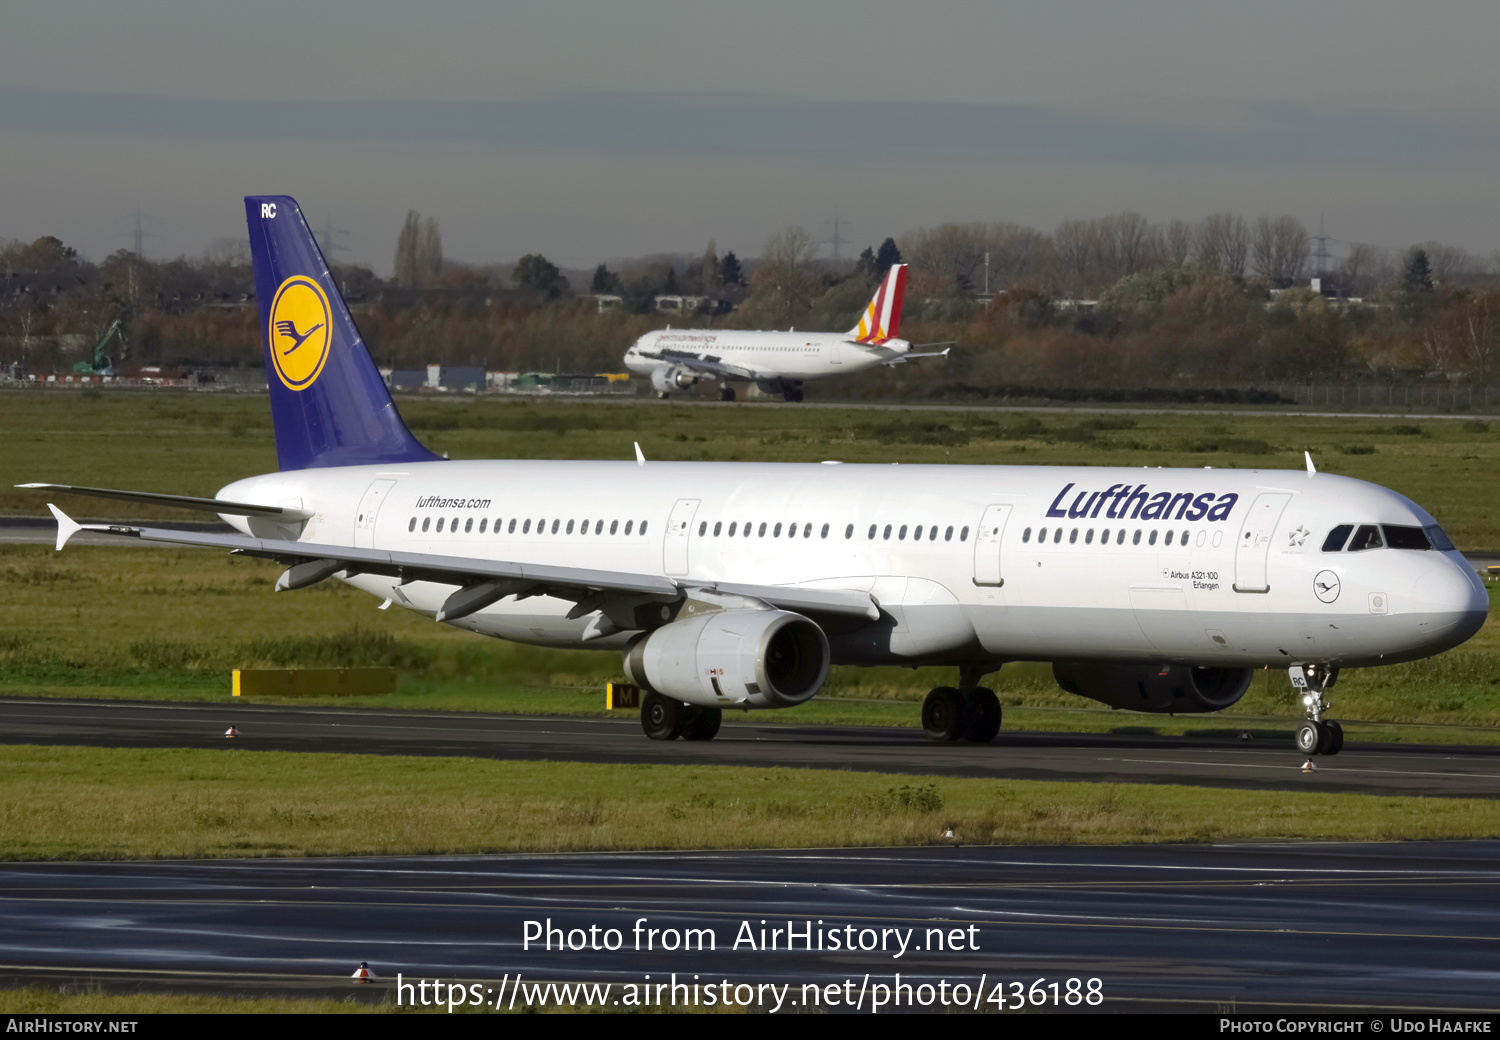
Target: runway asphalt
(1267, 764)
(1206, 928)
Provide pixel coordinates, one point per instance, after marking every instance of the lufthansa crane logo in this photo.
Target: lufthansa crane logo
(299, 333)
(1326, 586)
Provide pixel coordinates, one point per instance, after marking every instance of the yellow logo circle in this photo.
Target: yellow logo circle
(300, 331)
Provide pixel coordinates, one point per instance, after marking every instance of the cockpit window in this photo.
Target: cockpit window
(1398, 537)
(1367, 537)
(1439, 538)
(1337, 537)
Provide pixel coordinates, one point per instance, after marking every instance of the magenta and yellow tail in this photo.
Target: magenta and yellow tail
(881, 320)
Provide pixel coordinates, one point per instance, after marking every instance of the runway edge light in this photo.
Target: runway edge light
(363, 973)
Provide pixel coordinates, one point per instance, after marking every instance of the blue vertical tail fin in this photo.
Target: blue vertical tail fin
(329, 405)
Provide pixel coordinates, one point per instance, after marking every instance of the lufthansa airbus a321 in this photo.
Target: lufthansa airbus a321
(737, 585)
(778, 362)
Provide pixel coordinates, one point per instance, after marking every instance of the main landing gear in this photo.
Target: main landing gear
(666, 719)
(726, 392)
(1316, 736)
(792, 393)
(971, 712)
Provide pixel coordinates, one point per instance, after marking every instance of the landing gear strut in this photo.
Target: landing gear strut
(726, 392)
(1316, 736)
(971, 712)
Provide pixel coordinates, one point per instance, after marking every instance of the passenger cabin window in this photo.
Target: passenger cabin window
(554, 526)
(948, 534)
(762, 530)
(825, 532)
(1088, 539)
(526, 527)
(807, 530)
(440, 525)
(425, 521)
(1169, 537)
(872, 531)
(702, 528)
(732, 526)
(717, 528)
(643, 527)
(469, 525)
(932, 534)
(453, 527)
(1136, 539)
(1337, 537)
(1152, 539)
(1073, 536)
(614, 526)
(886, 534)
(776, 531)
(849, 531)
(902, 533)
(963, 536)
(483, 524)
(411, 526)
(1056, 535)
(511, 527)
(1367, 537)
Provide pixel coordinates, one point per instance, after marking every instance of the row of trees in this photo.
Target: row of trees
(1110, 301)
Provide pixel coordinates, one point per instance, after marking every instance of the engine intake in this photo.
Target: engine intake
(672, 378)
(751, 658)
(1181, 689)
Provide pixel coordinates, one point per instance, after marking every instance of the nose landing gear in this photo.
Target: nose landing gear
(1316, 736)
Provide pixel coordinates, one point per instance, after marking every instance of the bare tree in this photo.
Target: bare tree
(1073, 249)
(1016, 253)
(1279, 248)
(1223, 243)
(1178, 243)
(951, 256)
(1365, 268)
(408, 250)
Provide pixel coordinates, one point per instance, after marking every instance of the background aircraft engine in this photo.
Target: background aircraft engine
(665, 380)
(747, 658)
(1180, 689)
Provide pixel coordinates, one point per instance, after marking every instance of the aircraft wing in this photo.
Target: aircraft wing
(706, 363)
(480, 583)
(208, 505)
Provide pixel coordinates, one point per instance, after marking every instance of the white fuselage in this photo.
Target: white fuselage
(1216, 567)
(761, 356)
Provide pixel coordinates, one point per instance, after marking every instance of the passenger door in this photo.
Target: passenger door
(987, 545)
(1254, 546)
(679, 528)
(369, 508)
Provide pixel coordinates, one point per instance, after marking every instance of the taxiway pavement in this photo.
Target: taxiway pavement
(1266, 764)
(1208, 928)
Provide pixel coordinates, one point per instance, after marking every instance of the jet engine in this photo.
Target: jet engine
(1176, 688)
(744, 658)
(671, 377)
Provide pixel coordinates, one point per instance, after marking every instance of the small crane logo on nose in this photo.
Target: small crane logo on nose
(1326, 586)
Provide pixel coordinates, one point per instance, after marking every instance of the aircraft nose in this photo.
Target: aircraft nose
(1455, 598)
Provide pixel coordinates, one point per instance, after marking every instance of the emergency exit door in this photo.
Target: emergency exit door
(987, 545)
(369, 509)
(679, 528)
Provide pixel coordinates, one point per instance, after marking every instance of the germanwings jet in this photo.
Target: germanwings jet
(778, 362)
(737, 585)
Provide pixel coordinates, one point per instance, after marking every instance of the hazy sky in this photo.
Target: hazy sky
(588, 131)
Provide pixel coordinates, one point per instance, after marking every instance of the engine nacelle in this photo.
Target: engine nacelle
(669, 378)
(1181, 689)
(745, 658)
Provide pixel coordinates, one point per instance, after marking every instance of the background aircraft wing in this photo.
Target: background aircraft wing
(708, 364)
(619, 595)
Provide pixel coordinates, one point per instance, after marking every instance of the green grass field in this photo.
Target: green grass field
(170, 623)
(66, 803)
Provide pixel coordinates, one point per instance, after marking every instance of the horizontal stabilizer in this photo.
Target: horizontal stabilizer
(205, 505)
